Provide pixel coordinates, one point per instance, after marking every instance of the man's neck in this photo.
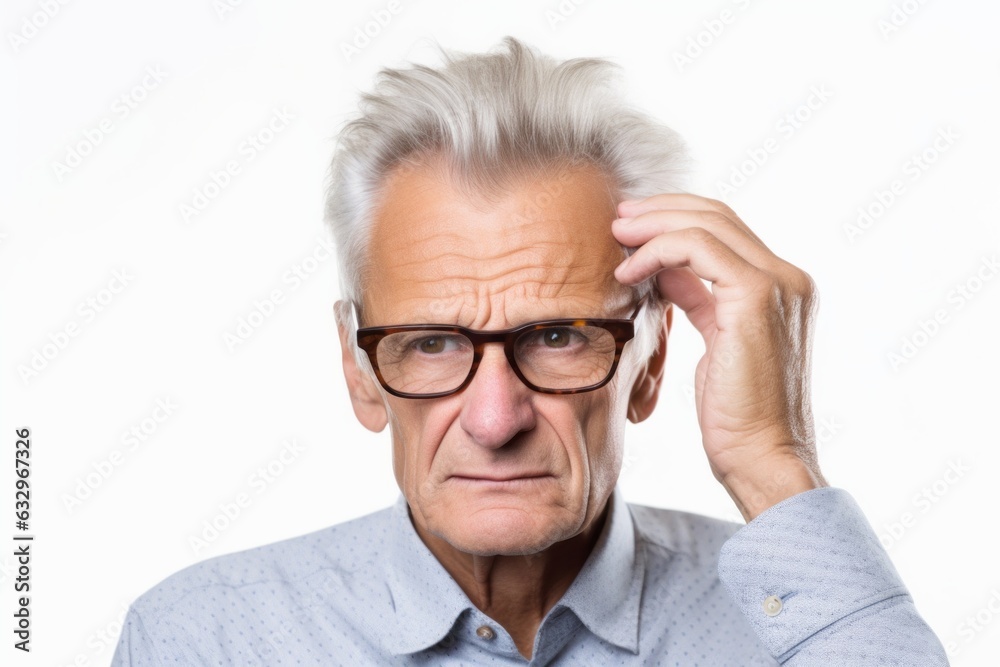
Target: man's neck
(517, 591)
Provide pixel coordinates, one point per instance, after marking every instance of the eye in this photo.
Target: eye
(556, 337)
(553, 338)
(431, 345)
(436, 344)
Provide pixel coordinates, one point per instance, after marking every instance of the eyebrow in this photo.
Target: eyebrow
(631, 306)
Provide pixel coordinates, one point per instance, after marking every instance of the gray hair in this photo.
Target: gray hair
(492, 116)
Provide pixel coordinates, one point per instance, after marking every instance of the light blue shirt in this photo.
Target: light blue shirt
(805, 583)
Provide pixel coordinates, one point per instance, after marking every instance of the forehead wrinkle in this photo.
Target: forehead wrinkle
(443, 263)
(447, 257)
(473, 290)
(478, 305)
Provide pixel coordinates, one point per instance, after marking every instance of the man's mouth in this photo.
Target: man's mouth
(499, 478)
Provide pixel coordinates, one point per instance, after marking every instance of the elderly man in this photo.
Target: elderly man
(512, 244)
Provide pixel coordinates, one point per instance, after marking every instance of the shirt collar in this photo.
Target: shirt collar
(606, 594)
(426, 600)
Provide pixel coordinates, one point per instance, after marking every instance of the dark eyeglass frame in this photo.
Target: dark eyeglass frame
(623, 331)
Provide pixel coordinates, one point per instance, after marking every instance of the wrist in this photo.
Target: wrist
(766, 482)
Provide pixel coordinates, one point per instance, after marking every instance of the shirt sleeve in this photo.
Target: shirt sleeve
(135, 647)
(818, 588)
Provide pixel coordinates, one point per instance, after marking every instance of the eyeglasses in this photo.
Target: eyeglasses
(566, 356)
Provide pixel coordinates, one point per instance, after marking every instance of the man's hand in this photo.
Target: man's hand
(752, 386)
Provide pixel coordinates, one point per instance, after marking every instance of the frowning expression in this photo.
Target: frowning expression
(498, 468)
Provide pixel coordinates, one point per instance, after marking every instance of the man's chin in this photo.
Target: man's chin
(503, 531)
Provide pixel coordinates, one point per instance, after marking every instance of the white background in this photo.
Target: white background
(888, 432)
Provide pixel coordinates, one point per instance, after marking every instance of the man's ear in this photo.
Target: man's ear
(368, 405)
(646, 388)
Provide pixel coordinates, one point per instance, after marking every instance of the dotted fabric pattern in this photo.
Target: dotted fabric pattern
(842, 604)
(653, 592)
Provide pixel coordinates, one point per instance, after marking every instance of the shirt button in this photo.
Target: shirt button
(485, 632)
(772, 605)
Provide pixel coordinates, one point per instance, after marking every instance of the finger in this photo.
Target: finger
(732, 277)
(684, 202)
(683, 288)
(634, 232)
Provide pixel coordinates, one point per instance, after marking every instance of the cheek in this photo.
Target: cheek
(590, 429)
(604, 429)
(418, 429)
(606, 456)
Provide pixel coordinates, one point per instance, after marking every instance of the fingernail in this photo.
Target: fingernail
(628, 202)
(624, 221)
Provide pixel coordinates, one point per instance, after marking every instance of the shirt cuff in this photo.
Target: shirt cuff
(804, 564)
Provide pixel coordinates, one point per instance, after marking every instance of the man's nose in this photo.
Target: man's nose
(497, 405)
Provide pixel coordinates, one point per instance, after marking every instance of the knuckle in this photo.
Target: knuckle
(765, 291)
(795, 290)
(713, 218)
(760, 287)
(810, 292)
(721, 208)
(795, 280)
(802, 284)
(699, 235)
